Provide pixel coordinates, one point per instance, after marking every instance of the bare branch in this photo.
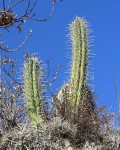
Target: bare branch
(11, 6)
(9, 19)
(45, 19)
(14, 50)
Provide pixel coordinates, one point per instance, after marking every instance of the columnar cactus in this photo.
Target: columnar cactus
(77, 90)
(79, 64)
(33, 90)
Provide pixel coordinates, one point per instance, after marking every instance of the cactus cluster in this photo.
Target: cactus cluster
(76, 88)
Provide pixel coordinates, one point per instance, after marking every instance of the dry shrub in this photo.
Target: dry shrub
(27, 138)
(12, 108)
(61, 129)
(90, 124)
(51, 136)
(93, 123)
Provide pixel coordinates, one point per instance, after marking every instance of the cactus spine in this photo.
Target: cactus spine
(34, 90)
(79, 64)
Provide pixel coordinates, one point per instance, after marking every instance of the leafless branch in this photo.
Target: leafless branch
(6, 48)
(11, 106)
(45, 19)
(10, 19)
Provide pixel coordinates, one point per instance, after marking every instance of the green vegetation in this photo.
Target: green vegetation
(79, 64)
(33, 90)
(77, 88)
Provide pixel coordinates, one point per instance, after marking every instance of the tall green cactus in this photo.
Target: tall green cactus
(33, 90)
(79, 64)
(77, 87)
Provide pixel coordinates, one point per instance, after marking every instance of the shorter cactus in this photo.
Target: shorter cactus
(33, 90)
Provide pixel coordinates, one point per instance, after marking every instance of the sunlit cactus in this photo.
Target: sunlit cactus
(77, 86)
(79, 63)
(33, 90)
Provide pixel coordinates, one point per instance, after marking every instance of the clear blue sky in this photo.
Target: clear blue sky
(50, 41)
